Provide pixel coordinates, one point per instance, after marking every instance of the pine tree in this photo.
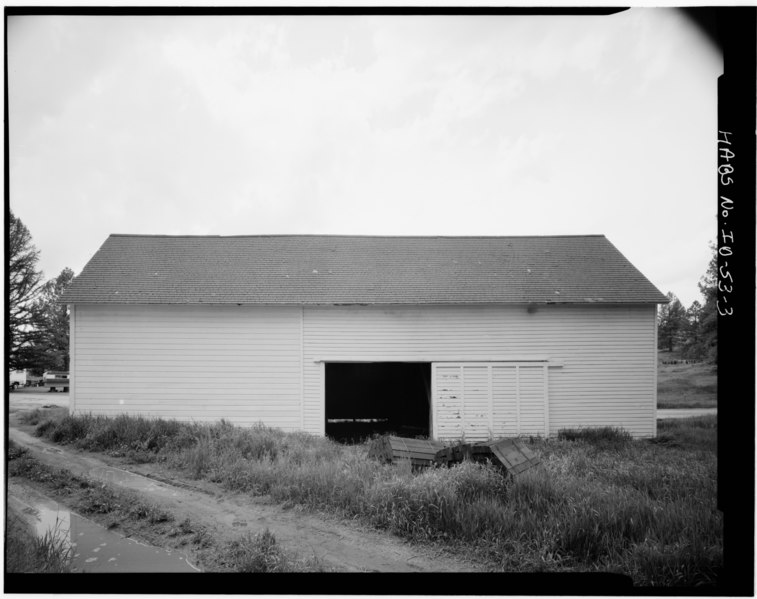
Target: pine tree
(51, 321)
(24, 283)
(670, 322)
(708, 287)
(692, 343)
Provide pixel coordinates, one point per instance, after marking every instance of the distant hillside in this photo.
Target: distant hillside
(685, 385)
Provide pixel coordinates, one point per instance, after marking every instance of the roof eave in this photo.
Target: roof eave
(100, 301)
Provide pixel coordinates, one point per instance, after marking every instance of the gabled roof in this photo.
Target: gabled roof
(328, 270)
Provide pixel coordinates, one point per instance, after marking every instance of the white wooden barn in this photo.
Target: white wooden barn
(454, 337)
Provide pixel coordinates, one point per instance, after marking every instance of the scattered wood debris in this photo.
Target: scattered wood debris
(420, 452)
(512, 455)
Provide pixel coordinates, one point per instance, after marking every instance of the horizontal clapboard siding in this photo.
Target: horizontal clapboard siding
(193, 363)
(531, 392)
(608, 353)
(251, 364)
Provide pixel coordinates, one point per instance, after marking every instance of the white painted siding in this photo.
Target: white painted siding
(447, 387)
(72, 359)
(482, 401)
(250, 364)
(200, 363)
(532, 393)
(608, 353)
(505, 409)
(476, 403)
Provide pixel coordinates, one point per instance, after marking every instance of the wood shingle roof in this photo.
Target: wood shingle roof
(332, 270)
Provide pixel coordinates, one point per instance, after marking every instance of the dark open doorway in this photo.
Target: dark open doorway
(378, 397)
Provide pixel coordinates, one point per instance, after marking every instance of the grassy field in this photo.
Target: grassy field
(685, 385)
(599, 501)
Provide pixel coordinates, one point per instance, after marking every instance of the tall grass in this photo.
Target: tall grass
(262, 553)
(599, 501)
(697, 434)
(27, 553)
(606, 437)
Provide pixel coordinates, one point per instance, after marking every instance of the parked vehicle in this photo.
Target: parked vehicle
(21, 378)
(56, 380)
(34, 381)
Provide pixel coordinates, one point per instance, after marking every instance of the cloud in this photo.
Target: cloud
(372, 124)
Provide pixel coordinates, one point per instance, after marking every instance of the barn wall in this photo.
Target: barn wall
(251, 364)
(608, 353)
(198, 363)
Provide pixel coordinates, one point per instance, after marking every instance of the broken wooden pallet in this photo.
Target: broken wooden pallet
(390, 449)
(510, 454)
(514, 455)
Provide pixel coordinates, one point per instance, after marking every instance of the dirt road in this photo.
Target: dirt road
(339, 545)
(685, 412)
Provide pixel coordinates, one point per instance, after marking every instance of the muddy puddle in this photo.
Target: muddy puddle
(93, 548)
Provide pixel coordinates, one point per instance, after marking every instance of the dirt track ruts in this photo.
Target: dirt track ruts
(340, 545)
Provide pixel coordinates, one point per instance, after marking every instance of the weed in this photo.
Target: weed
(88, 497)
(698, 433)
(152, 514)
(258, 553)
(473, 481)
(185, 527)
(693, 564)
(201, 539)
(16, 451)
(22, 464)
(665, 440)
(262, 553)
(27, 553)
(33, 417)
(69, 429)
(101, 500)
(599, 500)
(44, 428)
(606, 437)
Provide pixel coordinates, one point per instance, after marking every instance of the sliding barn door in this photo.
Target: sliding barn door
(489, 400)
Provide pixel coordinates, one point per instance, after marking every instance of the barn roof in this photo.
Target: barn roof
(328, 270)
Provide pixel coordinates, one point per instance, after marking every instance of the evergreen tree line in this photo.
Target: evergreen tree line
(38, 324)
(692, 331)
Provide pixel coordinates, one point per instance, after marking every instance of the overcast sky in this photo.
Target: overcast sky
(397, 125)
